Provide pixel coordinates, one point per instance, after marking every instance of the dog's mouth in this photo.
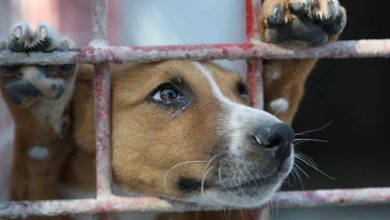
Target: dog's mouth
(246, 191)
(257, 182)
(278, 175)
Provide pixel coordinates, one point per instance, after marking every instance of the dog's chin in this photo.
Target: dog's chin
(250, 194)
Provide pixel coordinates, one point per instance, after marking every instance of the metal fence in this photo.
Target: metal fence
(100, 54)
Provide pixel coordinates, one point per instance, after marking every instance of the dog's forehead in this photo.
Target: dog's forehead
(153, 74)
(189, 72)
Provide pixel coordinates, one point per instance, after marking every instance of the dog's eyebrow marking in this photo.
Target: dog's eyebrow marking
(214, 87)
(38, 153)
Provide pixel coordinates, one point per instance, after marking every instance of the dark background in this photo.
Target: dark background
(353, 94)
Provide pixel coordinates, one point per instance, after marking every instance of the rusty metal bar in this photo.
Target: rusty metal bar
(99, 20)
(82, 206)
(255, 83)
(316, 198)
(255, 70)
(103, 132)
(255, 77)
(340, 49)
(102, 83)
(102, 102)
(336, 197)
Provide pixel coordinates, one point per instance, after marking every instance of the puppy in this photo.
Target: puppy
(180, 129)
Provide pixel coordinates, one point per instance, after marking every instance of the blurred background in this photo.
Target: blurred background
(352, 94)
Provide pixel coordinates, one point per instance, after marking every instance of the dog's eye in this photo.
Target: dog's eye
(172, 96)
(166, 92)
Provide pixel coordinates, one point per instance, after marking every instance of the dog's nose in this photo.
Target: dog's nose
(278, 138)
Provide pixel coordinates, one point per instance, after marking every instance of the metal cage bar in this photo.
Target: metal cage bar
(254, 74)
(102, 102)
(102, 93)
(246, 50)
(316, 198)
(99, 54)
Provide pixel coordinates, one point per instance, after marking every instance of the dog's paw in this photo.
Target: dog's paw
(46, 89)
(25, 84)
(312, 22)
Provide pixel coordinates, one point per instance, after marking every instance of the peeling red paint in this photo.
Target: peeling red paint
(249, 18)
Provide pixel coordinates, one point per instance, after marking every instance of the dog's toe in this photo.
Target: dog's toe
(19, 36)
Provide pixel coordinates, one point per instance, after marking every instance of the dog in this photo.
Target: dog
(181, 129)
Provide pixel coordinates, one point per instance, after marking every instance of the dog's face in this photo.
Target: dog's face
(181, 129)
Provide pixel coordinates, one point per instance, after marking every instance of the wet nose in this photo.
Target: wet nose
(278, 138)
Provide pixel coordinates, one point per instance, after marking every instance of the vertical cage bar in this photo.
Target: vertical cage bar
(255, 76)
(255, 83)
(100, 20)
(102, 85)
(252, 10)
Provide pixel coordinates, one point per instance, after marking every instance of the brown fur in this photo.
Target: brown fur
(138, 124)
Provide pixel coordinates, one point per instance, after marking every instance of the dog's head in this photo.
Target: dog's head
(182, 129)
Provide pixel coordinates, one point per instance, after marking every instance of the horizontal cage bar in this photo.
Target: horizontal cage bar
(316, 198)
(340, 49)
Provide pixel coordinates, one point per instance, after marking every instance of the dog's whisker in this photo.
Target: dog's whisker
(287, 181)
(299, 142)
(307, 159)
(205, 172)
(273, 204)
(239, 182)
(310, 140)
(296, 173)
(310, 162)
(178, 165)
(314, 130)
(301, 170)
(204, 179)
(220, 179)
